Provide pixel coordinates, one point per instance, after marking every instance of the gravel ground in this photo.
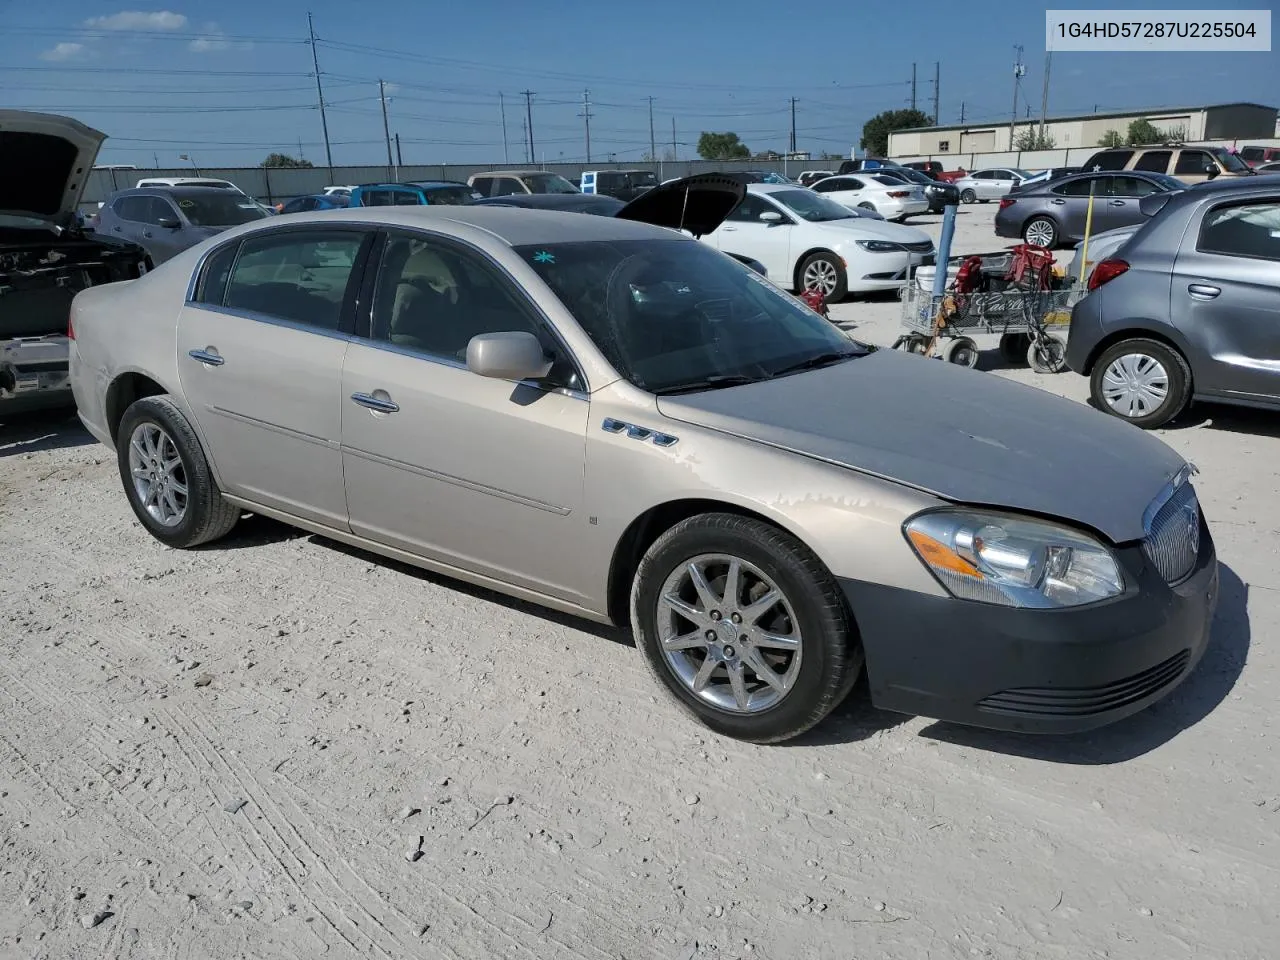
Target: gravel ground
(277, 746)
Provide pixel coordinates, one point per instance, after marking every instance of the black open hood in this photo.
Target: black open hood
(698, 204)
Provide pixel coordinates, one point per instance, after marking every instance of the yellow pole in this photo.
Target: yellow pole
(1088, 226)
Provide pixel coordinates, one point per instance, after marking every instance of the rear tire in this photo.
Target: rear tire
(1146, 382)
(1041, 232)
(167, 478)
(818, 671)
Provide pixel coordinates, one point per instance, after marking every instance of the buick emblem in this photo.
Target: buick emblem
(1192, 517)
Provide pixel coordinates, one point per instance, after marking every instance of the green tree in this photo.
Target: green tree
(722, 146)
(286, 161)
(1111, 138)
(1032, 139)
(1141, 132)
(875, 132)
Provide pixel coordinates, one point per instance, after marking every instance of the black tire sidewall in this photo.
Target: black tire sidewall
(1175, 366)
(164, 413)
(829, 647)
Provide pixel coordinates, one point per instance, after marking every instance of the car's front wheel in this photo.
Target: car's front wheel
(826, 274)
(968, 196)
(1145, 382)
(744, 626)
(1041, 232)
(167, 477)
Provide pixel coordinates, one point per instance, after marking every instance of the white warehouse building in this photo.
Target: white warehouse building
(1224, 121)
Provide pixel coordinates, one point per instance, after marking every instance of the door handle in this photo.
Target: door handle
(147, 234)
(208, 356)
(116, 229)
(1203, 291)
(1115, 203)
(728, 229)
(374, 403)
(1058, 203)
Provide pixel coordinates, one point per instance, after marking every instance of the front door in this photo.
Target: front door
(260, 352)
(165, 242)
(744, 233)
(483, 474)
(1120, 208)
(1226, 298)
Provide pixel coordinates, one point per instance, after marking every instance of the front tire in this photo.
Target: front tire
(826, 274)
(1145, 382)
(744, 626)
(167, 478)
(968, 196)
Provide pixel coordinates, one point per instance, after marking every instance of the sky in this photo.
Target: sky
(229, 82)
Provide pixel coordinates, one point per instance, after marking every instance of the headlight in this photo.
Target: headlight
(1014, 561)
(878, 246)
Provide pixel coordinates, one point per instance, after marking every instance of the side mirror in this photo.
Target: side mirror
(1211, 170)
(771, 217)
(512, 355)
(169, 223)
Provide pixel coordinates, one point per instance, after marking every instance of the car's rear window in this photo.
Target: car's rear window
(452, 196)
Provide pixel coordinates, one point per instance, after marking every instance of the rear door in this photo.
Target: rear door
(1226, 297)
(260, 351)
(130, 214)
(1195, 166)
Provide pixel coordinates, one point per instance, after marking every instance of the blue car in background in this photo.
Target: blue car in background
(421, 193)
(320, 201)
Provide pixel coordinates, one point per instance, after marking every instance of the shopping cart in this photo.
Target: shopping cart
(1010, 296)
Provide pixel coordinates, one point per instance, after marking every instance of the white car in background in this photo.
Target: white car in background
(187, 182)
(339, 191)
(887, 196)
(807, 241)
(987, 185)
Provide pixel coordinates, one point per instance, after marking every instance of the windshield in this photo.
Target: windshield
(218, 210)
(452, 196)
(811, 206)
(1230, 162)
(676, 314)
(548, 183)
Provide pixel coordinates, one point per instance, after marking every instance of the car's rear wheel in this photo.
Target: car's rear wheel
(826, 274)
(1145, 382)
(167, 477)
(968, 196)
(867, 205)
(744, 626)
(1041, 232)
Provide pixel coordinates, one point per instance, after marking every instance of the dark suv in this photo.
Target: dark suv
(1188, 308)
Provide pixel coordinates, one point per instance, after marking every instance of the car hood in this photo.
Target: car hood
(864, 228)
(697, 204)
(45, 160)
(964, 436)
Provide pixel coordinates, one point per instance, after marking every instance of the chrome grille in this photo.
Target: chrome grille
(1173, 538)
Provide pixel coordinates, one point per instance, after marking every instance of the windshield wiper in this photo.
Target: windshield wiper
(821, 360)
(706, 383)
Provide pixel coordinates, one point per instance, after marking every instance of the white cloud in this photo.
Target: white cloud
(160, 20)
(63, 51)
(214, 40)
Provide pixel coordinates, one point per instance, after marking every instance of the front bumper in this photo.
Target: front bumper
(1037, 671)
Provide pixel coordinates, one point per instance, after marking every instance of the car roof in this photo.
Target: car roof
(511, 173)
(776, 187)
(515, 226)
(181, 190)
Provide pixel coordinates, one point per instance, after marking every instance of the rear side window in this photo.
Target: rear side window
(133, 209)
(484, 185)
(1249, 230)
(1109, 160)
(213, 281)
(1252, 154)
(405, 198)
(296, 276)
(1132, 187)
(375, 198)
(1154, 161)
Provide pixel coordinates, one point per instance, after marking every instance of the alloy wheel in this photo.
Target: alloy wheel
(729, 633)
(821, 275)
(159, 478)
(1135, 385)
(1040, 233)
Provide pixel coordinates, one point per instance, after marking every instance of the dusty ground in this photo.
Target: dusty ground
(212, 754)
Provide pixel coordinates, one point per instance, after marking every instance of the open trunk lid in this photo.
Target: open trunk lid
(697, 204)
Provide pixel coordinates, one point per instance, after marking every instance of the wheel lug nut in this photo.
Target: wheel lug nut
(711, 636)
(715, 615)
(736, 618)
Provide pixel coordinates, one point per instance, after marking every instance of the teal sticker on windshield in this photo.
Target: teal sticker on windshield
(544, 256)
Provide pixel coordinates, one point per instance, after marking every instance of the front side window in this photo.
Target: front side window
(1194, 163)
(484, 185)
(217, 209)
(749, 209)
(676, 315)
(1250, 230)
(159, 209)
(506, 187)
(1081, 187)
(433, 297)
(1133, 187)
(296, 276)
(548, 183)
(405, 198)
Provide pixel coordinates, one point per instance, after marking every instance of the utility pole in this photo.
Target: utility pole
(793, 124)
(502, 106)
(399, 155)
(913, 86)
(386, 128)
(653, 146)
(528, 112)
(1018, 71)
(1044, 98)
(962, 111)
(586, 119)
(324, 122)
(673, 138)
(937, 89)
(524, 133)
